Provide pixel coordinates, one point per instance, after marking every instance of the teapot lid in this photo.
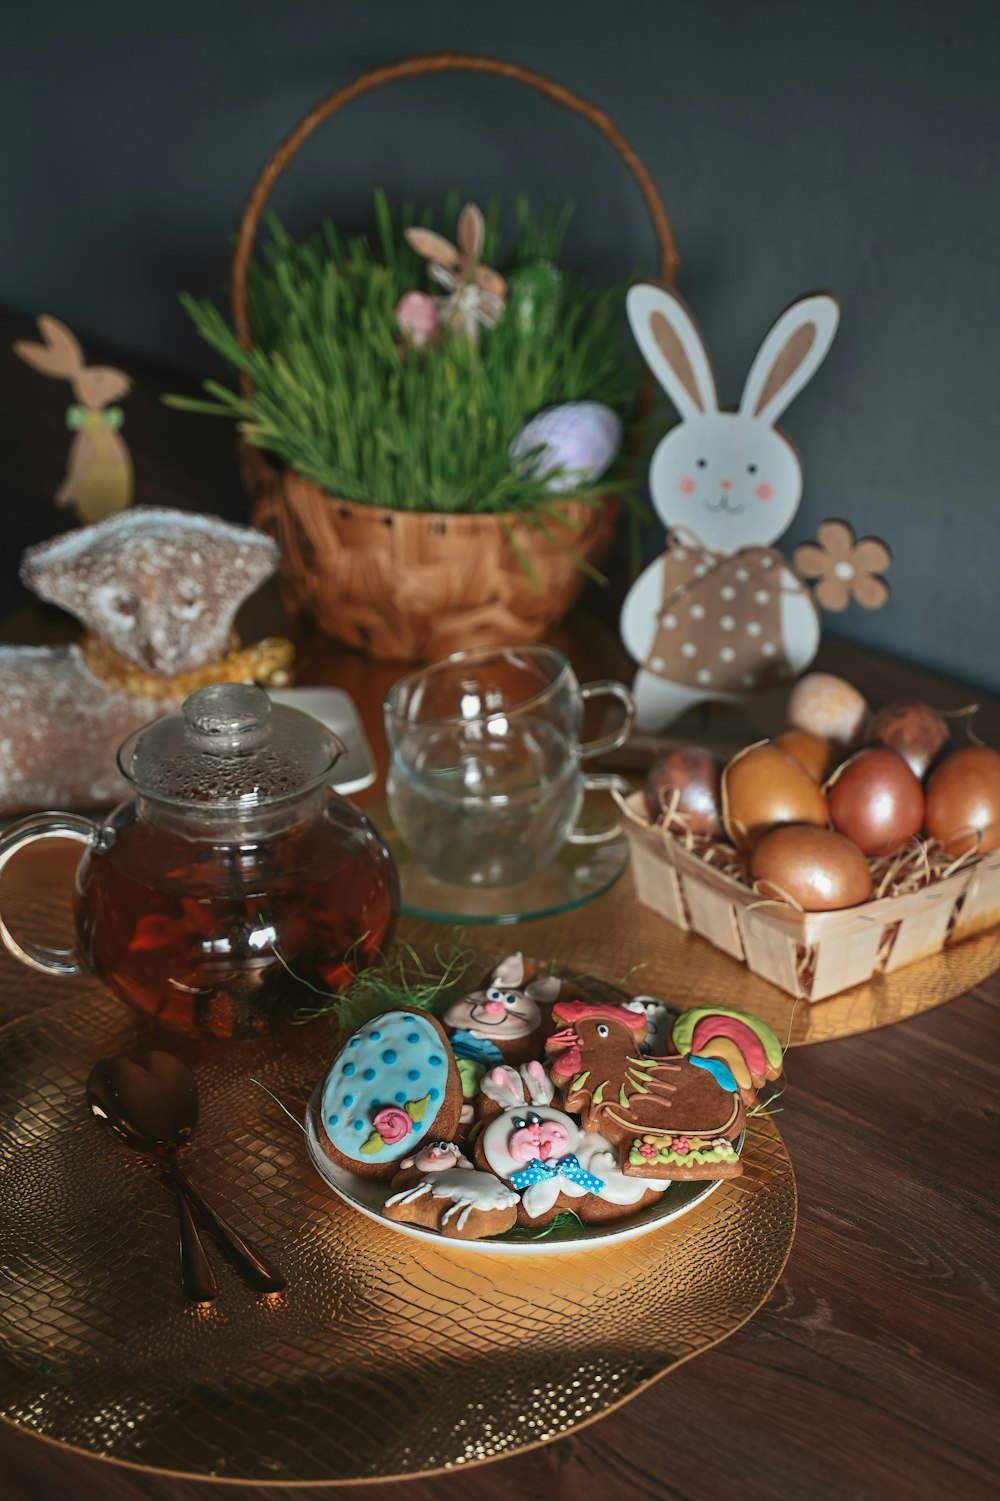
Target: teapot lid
(229, 748)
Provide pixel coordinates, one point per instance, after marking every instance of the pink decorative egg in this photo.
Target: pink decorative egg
(580, 439)
(417, 316)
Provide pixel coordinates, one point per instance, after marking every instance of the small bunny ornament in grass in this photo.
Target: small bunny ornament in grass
(721, 614)
(99, 475)
(474, 293)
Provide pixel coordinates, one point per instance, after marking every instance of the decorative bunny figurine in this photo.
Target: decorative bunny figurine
(99, 475)
(474, 293)
(721, 614)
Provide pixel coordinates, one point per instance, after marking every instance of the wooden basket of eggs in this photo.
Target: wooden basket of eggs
(849, 846)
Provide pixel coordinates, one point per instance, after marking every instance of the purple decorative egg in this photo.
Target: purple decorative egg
(579, 439)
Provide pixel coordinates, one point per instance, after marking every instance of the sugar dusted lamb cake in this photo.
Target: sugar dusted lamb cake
(158, 592)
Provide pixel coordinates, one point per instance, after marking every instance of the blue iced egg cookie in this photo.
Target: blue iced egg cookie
(393, 1085)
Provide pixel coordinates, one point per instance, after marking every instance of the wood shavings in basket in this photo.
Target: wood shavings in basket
(919, 864)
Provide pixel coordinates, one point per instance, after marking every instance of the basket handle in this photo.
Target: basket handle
(417, 67)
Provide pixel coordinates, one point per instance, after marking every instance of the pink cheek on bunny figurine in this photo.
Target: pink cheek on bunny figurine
(764, 491)
(688, 485)
(545, 1140)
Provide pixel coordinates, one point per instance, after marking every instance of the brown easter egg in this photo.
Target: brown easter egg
(762, 787)
(688, 780)
(876, 800)
(914, 731)
(811, 751)
(963, 801)
(818, 868)
(828, 706)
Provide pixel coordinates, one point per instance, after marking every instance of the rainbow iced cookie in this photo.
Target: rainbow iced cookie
(393, 1085)
(743, 1043)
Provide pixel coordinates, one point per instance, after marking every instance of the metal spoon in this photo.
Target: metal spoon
(150, 1102)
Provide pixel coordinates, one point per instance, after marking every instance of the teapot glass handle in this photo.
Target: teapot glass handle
(45, 826)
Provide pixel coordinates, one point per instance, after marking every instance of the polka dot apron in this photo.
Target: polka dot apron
(719, 625)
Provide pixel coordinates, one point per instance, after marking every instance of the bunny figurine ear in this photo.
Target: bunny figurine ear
(471, 231)
(673, 348)
(790, 356)
(60, 355)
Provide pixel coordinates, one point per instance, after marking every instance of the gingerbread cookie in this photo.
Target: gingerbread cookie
(393, 1086)
(503, 1021)
(441, 1190)
(659, 1017)
(531, 1146)
(652, 1109)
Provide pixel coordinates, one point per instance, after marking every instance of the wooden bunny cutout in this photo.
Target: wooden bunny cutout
(721, 615)
(99, 476)
(474, 293)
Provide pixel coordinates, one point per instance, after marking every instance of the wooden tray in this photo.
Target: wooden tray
(810, 955)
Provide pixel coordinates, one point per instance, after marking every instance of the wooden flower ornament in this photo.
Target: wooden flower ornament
(846, 569)
(474, 293)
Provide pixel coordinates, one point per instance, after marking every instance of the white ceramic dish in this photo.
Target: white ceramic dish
(367, 1195)
(336, 709)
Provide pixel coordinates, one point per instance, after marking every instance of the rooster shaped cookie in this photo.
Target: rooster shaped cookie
(669, 1117)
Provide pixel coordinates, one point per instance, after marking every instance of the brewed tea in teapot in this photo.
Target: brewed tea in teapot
(236, 882)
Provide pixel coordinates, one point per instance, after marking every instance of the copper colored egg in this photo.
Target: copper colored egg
(876, 800)
(963, 801)
(762, 787)
(694, 777)
(818, 868)
(828, 706)
(914, 731)
(811, 751)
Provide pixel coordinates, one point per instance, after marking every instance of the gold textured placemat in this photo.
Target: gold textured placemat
(386, 1357)
(619, 939)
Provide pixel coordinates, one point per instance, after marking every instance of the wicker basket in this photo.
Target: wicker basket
(808, 954)
(409, 585)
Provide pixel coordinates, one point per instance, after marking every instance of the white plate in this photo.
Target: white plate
(367, 1195)
(337, 710)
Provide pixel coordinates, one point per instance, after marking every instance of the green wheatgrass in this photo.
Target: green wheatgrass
(338, 396)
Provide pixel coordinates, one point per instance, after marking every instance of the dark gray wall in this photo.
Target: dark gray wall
(849, 145)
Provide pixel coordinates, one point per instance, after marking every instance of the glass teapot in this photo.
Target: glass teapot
(235, 879)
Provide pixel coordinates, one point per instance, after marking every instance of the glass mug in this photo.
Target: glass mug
(486, 780)
(234, 883)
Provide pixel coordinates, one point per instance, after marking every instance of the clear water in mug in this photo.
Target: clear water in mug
(485, 804)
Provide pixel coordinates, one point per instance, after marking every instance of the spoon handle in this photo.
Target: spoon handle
(197, 1275)
(247, 1261)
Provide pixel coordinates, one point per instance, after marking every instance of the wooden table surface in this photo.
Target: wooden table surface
(872, 1371)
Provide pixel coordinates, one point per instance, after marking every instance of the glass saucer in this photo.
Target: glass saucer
(579, 873)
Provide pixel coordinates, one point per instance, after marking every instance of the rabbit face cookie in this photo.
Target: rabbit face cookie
(502, 1021)
(532, 1147)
